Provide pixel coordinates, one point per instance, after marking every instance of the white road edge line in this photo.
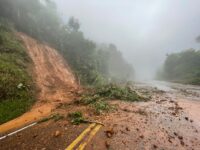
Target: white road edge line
(12, 133)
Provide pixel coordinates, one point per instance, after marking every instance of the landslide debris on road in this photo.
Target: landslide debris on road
(162, 123)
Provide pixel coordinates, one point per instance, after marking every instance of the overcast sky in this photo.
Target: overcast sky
(144, 30)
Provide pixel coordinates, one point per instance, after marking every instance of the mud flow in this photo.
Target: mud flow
(53, 79)
(169, 121)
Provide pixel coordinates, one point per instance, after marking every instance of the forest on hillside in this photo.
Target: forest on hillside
(183, 67)
(92, 64)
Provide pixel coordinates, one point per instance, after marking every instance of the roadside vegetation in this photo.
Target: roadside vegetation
(76, 118)
(183, 67)
(16, 87)
(54, 117)
(98, 98)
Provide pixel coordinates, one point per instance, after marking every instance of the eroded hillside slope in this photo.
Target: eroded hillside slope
(54, 80)
(52, 75)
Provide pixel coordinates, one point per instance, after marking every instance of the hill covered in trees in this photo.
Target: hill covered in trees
(90, 63)
(182, 67)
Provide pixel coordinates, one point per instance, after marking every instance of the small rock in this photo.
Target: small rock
(182, 143)
(141, 136)
(109, 133)
(175, 134)
(65, 124)
(186, 118)
(20, 85)
(180, 137)
(155, 146)
(127, 129)
(174, 114)
(107, 144)
(57, 133)
(169, 140)
(124, 142)
(125, 109)
(35, 135)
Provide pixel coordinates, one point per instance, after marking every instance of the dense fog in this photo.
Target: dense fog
(144, 31)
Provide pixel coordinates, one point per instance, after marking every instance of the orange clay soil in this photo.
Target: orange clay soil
(54, 80)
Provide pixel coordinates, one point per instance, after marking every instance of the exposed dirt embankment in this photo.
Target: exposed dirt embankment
(52, 75)
(55, 82)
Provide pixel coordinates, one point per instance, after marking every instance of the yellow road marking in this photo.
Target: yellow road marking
(80, 137)
(91, 135)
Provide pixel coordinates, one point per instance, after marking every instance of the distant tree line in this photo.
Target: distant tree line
(182, 67)
(40, 19)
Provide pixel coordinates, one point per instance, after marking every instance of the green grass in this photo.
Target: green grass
(16, 87)
(98, 98)
(55, 117)
(76, 118)
(121, 92)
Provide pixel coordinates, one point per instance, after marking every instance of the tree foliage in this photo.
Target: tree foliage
(182, 67)
(40, 19)
(117, 68)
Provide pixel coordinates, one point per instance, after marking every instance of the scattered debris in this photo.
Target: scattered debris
(141, 136)
(20, 86)
(55, 117)
(109, 132)
(186, 118)
(35, 135)
(182, 143)
(141, 112)
(155, 146)
(76, 118)
(127, 129)
(107, 144)
(57, 133)
(180, 137)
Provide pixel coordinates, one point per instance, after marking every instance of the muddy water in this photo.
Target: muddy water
(191, 91)
(169, 121)
(187, 95)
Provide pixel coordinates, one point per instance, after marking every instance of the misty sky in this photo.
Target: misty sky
(144, 30)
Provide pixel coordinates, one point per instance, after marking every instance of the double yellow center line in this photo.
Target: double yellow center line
(81, 141)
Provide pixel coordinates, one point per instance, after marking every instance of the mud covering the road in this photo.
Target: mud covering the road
(166, 122)
(169, 121)
(46, 136)
(52, 134)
